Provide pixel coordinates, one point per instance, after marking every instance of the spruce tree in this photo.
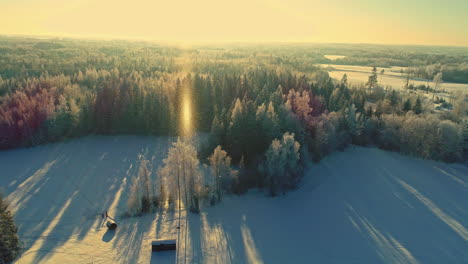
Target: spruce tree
(417, 109)
(369, 112)
(344, 80)
(393, 98)
(407, 105)
(9, 242)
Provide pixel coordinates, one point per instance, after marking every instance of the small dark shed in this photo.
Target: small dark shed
(163, 245)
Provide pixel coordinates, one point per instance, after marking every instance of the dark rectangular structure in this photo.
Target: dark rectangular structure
(163, 245)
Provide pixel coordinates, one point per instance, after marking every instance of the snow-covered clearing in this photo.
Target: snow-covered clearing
(363, 205)
(392, 77)
(334, 57)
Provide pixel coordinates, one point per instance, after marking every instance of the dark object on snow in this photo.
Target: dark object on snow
(163, 245)
(111, 224)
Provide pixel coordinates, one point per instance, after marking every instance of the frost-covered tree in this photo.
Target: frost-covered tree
(460, 106)
(450, 140)
(181, 174)
(299, 102)
(351, 120)
(437, 82)
(408, 75)
(385, 107)
(288, 121)
(222, 174)
(419, 135)
(391, 130)
(465, 138)
(148, 197)
(134, 200)
(143, 196)
(282, 166)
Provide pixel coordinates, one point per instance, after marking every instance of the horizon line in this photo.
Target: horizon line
(207, 41)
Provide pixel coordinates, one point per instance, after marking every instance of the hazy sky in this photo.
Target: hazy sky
(427, 22)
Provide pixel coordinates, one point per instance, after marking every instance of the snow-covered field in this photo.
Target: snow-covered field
(334, 57)
(392, 77)
(363, 205)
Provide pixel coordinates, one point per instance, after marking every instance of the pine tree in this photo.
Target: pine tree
(372, 81)
(9, 242)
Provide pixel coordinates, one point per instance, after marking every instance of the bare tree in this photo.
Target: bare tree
(437, 82)
(408, 76)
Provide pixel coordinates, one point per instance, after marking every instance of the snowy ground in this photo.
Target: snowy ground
(334, 57)
(392, 77)
(363, 205)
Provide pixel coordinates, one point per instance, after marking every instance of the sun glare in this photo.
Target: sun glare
(186, 113)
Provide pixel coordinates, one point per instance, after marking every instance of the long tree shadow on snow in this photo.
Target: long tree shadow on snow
(66, 193)
(408, 211)
(375, 207)
(372, 207)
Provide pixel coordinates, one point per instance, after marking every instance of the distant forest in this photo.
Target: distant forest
(261, 104)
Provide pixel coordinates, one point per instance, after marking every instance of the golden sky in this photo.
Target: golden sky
(428, 22)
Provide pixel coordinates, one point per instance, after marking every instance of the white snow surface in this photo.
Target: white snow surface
(363, 205)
